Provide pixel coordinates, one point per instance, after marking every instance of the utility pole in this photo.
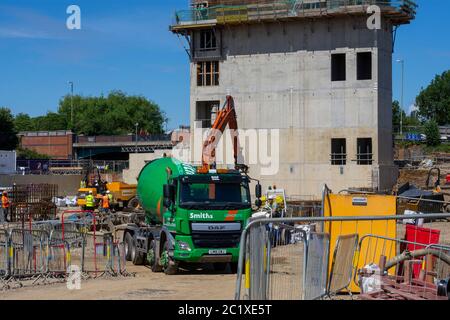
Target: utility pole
(401, 103)
(71, 105)
(136, 142)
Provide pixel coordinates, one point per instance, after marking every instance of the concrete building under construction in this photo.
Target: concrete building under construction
(312, 69)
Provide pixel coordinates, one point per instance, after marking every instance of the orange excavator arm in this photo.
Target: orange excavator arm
(226, 116)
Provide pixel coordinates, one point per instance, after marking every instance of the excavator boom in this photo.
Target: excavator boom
(225, 117)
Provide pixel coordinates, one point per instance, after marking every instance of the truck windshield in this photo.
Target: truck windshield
(229, 196)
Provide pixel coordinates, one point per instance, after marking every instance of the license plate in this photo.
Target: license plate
(217, 251)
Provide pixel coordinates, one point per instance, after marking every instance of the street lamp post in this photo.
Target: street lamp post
(71, 105)
(401, 103)
(136, 138)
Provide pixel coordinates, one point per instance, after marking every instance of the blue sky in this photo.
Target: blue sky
(126, 45)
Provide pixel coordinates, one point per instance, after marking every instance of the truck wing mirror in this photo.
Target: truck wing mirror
(258, 191)
(169, 194)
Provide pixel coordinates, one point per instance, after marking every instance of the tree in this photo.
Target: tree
(112, 115)
(28, 154)
(434, 101)
(50, 122)
(396, 114)
(23, 122)
(432, 133)
(8, 133)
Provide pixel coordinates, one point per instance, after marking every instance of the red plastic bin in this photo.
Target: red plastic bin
(423, 236)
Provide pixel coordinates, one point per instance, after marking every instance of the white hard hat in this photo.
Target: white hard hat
(90, 191)
(107, 191)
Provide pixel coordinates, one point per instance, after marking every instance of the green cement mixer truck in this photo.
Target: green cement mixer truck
(190, 217)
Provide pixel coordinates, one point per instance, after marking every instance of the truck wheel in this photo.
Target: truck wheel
(137, 257)
(133, 203)
(151, 257)
(169, 266)
(128, 246)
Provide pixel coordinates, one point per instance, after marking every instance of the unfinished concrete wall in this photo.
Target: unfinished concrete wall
(67, 184)
(138, 161)
(280, 77)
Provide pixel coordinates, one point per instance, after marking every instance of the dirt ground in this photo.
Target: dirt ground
(146, 285)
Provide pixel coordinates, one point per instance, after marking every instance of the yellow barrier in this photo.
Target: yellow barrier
(362, 205)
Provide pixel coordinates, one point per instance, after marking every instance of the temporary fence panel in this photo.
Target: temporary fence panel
(68, 247)
(28, 252)
(339, 205)
(97, 253)
(286, 262)
(398, 273)
(280, 262)
(439, 266)
(425, 236)
(342, 265)
(118, 261)
(316, 272)
(256, 264)
(4, 267)
(275, 262)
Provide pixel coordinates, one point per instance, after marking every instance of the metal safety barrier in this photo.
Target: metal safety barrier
(316, 272)
(118, 264)
(414, 262)
(320, 257)
(4, 262)
(28, 253)
(342, 264)
(37, 257)
(98, 254)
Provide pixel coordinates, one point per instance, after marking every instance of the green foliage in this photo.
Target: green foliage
(50, 122)
(434, 101)
(30, 154)
(23, 122)
(112, 115)
(8, 133)
(408, 121)
(442, 148)
(432, 133)
(396, 114)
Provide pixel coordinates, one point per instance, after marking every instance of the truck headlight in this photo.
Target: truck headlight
(184, 246)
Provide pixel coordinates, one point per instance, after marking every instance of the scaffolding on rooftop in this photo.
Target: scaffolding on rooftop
(221, 12)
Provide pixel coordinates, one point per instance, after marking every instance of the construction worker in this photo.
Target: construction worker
(90, 201)
(5, 207)
(110, 197)
(105, 203)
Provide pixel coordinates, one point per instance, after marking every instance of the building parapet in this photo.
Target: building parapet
(398, 11)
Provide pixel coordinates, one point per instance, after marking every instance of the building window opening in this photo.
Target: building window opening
(338, 152)
(364, 148)
(364, 66)
(338, 67)
(206, 112)
(208, 40)
(208, 73)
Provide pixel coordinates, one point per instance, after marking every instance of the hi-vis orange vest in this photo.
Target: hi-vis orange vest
(5, 202)
(105, 202)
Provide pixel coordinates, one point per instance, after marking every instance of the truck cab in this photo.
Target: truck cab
(206, 215)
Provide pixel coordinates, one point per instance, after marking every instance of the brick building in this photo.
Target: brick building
(56, 144)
